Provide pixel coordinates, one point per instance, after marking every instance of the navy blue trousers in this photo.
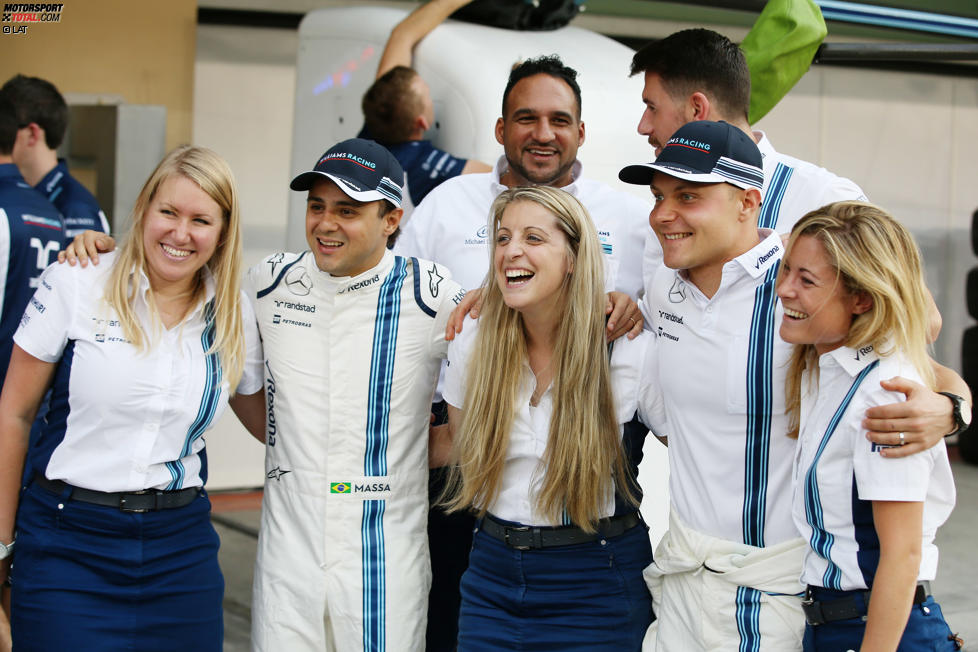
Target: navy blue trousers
(926, 631)
(87, 577)
(589, 596)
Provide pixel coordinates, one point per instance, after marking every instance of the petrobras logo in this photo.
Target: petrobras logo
(295, 305)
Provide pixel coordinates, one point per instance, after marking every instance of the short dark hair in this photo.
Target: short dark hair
(545, 65)
(390, 106)
(699, 60)
(37, 100)
(8, 125)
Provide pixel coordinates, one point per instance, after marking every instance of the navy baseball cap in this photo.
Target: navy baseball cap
(705, 152)
(362, 169)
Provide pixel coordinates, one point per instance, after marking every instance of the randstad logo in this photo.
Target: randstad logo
(339, 487)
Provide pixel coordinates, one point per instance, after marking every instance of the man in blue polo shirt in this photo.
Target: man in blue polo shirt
(31, 234)
(42, 119)
(397, 108)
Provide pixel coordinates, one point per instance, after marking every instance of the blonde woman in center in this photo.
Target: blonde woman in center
(537, 400)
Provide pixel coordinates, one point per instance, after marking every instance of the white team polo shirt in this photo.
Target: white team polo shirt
(121, 419)
(523, 471)
(451, 227)
(792, 188)
(838, 472)
(719, 376)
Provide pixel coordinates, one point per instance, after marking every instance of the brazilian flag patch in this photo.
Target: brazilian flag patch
(339, 487)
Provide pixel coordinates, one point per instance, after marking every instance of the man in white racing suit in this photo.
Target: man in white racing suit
(353, 339)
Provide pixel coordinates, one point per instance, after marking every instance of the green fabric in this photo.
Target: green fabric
(779, 50)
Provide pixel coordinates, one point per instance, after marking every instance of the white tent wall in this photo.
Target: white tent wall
(905, 138)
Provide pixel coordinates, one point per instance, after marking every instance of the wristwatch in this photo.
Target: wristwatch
(962, 413)
(6, 549)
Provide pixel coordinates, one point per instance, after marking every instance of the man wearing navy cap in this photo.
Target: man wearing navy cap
(726, 573)
(353, 338)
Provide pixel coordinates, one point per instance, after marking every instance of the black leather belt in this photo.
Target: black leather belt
(147, 500)
(844, 608)
(525, 537)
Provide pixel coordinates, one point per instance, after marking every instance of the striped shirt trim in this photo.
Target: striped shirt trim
(821, 540)
(374, 576)
(771, 206)
(209, 401)
(760, 393)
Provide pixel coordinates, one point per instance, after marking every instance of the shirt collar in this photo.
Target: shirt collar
(344, 284)
(762, 256)
(851, 360)
(10, 171)
(51, 180)
(209, 288)
(502, 165)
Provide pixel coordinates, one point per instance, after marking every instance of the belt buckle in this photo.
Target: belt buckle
(134, 510)
(507, 530)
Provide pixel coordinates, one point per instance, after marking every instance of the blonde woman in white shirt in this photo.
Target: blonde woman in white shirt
(536, 409)
(114, 544)
(855, 307)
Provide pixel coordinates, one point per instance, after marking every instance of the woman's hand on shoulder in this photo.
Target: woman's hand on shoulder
(470, 305)
(86, 246)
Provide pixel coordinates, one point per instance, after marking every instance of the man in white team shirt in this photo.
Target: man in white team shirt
(726, 574)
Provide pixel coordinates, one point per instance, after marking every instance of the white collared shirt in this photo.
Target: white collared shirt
(720, 380)
(523, 471)
(838, 472)
(451, 227)
(121, 419)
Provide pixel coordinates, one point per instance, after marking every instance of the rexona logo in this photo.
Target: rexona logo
(766, 257)
(359, 285)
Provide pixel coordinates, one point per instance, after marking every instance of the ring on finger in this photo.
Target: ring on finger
(902, 439)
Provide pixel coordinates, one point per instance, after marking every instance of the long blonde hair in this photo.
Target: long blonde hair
(209, 171)
(584, 456)
(874, 254)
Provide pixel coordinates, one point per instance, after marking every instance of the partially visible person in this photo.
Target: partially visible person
(398, 110)
(42, 120)
(31, 233)
(115, 549)
(855, 308)
(31, 229)
(536, 409)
